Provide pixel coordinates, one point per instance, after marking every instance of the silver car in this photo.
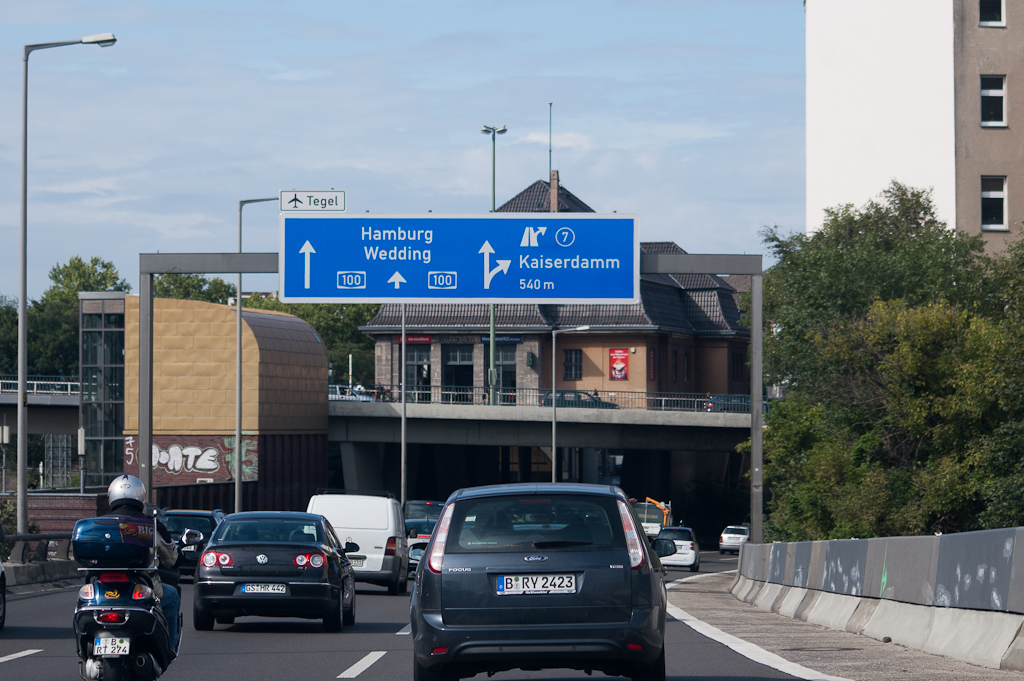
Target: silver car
(732, 538)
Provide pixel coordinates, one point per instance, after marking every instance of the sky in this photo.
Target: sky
(687, 113)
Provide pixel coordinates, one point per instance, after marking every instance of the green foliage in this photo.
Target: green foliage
(8, 335)
(77, 275)
(338, 326)
(901, 346)
(193, 287)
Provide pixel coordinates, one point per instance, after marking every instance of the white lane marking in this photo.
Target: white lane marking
(749, 650)
(684, 580)
(15, 656)
(363, 664)
(405, 631)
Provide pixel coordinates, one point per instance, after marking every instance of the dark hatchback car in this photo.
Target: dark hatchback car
(179, 520)
(577, 399)
(539, 576)
(275, 564)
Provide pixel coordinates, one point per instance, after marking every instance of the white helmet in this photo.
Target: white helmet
(127, 488)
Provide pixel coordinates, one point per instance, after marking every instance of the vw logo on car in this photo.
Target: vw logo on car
(262, 559)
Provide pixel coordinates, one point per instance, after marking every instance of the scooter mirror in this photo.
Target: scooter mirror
(191, 537)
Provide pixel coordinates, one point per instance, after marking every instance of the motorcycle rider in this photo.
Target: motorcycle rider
(128, 498)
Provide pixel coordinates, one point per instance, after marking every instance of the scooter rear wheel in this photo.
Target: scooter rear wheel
(113, 669)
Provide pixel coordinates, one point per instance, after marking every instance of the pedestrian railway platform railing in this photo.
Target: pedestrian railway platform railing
(533, 397)
(42, 385)
(472, 395)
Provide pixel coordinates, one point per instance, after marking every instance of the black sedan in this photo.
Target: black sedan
(275, 564)
(179, 520)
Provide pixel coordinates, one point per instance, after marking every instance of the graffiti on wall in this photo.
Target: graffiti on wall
(195, 457)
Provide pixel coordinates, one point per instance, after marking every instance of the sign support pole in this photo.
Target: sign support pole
(402, 347)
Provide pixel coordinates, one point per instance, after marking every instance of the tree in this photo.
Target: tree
(890, 249)
(888, 331)
(53, 320)
(8, 335)
(193, 287)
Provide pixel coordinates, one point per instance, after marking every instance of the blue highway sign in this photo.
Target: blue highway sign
(488, 258)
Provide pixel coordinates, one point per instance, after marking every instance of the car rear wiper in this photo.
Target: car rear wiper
(559, 543)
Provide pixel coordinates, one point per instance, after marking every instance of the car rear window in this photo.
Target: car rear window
(290, 531)
(179, 523)
(423, 510)
(562, 522)
(737, 530)
(676, 535)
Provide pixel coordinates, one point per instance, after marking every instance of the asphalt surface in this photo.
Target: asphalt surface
(38, 644)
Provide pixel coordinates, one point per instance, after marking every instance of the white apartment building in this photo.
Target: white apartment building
(926, 92)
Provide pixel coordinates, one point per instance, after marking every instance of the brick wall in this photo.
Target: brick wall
(59, 512)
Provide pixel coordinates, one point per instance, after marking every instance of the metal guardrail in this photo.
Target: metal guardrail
(37, 548)
(42, 385)
(593, 399)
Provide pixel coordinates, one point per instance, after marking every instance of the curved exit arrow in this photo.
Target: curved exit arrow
(503, 265)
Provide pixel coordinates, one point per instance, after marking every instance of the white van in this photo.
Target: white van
(374, 521)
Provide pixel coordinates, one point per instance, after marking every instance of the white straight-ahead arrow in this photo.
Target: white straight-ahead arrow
(307, 248)
(503, 265)
(396, 279)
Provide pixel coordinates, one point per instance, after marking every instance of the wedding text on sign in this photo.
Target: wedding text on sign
(397, 253)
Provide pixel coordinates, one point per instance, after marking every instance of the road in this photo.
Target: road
(377, 647)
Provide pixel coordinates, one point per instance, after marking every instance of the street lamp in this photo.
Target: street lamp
(103, 40)
(238, 363)
(492, 371)
(554, 400)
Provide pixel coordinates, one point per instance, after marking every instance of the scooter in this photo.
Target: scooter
(121, 633)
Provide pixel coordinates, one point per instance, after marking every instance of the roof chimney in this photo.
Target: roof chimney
(554, 191)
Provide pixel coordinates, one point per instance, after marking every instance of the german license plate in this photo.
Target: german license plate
(356, 562)
(190, 547)
(263, 588)
(110, 647)
(536, 584)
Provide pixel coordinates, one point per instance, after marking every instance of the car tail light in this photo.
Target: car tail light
(311, 559)
(211, 558)
(634, 646)
(113, 578)
(721, 540)
(141, 592)
(439, 651)
(87, 592)
(692, 548)
(636, 551)
(440, 539)
(112, 618)
(389, 548)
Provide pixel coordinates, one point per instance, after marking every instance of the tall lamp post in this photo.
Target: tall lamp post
(103, 40)
(554, 400)
(238, 363)
(491, 370)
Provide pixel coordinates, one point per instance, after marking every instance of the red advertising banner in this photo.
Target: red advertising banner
(618, 361)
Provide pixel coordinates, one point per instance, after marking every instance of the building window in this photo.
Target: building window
(993, 101)
(572, 365)
(991, 13)
(675, 366)
(993, 203)
(736, 367)
(686, 367)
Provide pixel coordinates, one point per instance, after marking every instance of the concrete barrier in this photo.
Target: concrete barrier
(44, 572)
(958, 595)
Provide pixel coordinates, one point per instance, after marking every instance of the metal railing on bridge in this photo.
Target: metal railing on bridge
(533, 397)
(42, 385)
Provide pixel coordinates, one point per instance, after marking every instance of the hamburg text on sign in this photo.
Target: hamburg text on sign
(494, 257)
